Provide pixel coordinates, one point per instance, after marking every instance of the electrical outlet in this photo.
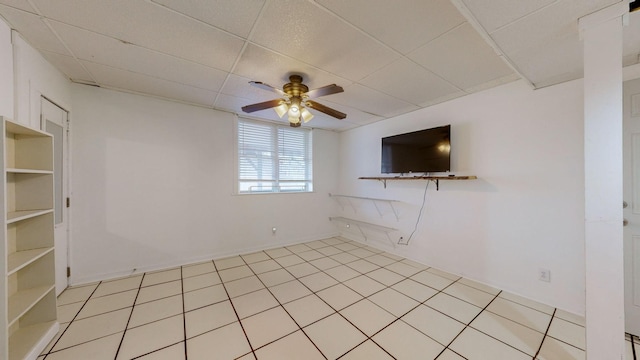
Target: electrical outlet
(544, 275)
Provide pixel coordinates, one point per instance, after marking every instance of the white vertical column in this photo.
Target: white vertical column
(602, 36)
(6, 71)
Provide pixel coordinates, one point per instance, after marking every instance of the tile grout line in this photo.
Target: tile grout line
(395, 261)
(280, 304)
(72, 320)
(399, 318)
(468, 324)
(124, 333)
(234, 309)
(323, 300)
(363, 297)
(184, 315)
(545, 334)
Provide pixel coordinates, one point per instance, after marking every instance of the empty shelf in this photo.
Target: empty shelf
(20, 259)
(23, 343)
(28, 171)
(22, 301)
(15, 216)
(374, 200)
(362, 225)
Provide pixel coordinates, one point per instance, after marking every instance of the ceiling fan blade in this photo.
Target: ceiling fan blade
(325, 90)
(325, 109)
(261, 106)
(267, 87)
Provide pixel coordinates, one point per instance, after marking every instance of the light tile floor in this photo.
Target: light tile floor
(325, 299)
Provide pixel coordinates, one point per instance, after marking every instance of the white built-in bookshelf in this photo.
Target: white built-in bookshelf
(27, 289)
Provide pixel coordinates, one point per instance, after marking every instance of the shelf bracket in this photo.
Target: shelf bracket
(384, 182)
(395, 212)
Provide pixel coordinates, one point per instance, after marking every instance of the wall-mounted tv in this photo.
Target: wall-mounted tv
(422, 151)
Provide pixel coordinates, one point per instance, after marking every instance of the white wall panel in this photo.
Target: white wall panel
(153, 187)
(525, 211)
(6, 71)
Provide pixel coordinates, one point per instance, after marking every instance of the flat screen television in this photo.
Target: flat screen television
(422, 151)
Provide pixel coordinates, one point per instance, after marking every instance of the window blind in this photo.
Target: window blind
(273, 158)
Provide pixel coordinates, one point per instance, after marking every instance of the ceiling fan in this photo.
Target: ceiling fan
(296, 100)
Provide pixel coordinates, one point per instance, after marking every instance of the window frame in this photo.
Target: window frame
(276, 129)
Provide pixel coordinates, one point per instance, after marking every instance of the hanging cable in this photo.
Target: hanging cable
(424, 201)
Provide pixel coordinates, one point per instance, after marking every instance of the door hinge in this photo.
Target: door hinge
(68, 271)
(68, 202)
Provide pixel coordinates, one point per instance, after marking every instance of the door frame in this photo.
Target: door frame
(66, 174)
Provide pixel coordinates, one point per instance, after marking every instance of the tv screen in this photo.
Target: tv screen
(420, 151)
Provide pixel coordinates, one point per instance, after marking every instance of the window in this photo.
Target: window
(273, 158)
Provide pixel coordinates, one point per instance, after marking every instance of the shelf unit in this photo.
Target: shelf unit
(375, 202)
(28, 300)
(362, 226)
(435, 179)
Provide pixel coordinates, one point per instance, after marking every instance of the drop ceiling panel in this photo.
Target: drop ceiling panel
(102, 49)
(552, 22)
(410, 82)
(493, 14)
(68, 66)
(235, 16)
(33, 30)
(149, 25)
(552, 63)
(391, 23)
(260, 64)
(304, 31)
(19, 4)
(234, 104)
(354, 115)
(372, 101)
(239, 86)
(126, 80)
(329, 123)
(462, 57)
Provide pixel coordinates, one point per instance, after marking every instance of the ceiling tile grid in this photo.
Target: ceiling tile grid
(391, 57)
(33, 29)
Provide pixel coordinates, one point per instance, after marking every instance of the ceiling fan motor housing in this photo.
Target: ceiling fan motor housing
(295, 87)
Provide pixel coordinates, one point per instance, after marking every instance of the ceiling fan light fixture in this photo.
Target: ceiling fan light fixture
(281, 109)
(294, 108)
(306, 115)
(294, 119)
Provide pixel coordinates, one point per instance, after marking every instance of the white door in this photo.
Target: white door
(55, 122)
(631, 148)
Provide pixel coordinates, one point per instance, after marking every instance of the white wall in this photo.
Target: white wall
(525, 211)
(153, 183)
(6, 71)
(35, 76)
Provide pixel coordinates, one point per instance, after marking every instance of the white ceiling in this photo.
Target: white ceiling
(391, 57)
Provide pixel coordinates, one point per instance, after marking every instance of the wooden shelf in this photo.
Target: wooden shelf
(15, 216)
(20, 259)
(28, 171)
(22, 301)
(435, 179)
(21, 343)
